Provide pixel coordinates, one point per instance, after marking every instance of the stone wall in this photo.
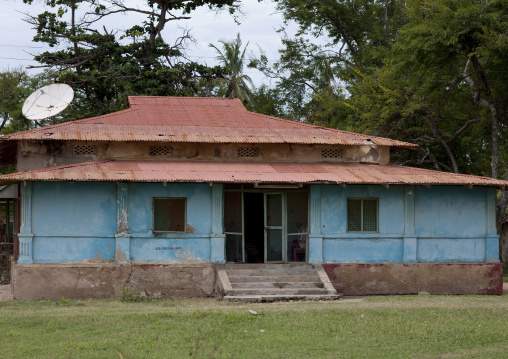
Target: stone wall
(52, 281)
(399, 278)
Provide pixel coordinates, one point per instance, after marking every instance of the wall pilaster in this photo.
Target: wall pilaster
(26, 236)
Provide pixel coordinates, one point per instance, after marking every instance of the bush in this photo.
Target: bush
(130, 294)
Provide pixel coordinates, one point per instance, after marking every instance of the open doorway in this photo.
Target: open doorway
(254, 228)
(265, 226)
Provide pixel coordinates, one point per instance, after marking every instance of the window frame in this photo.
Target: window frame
(361, 199)
(184, 219)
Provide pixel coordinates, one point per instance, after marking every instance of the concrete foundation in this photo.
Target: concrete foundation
(52, 281)
(399, 278)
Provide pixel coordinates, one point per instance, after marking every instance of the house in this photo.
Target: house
(161, 193)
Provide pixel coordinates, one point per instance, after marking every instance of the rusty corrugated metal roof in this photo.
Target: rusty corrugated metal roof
(155, 171)
(196, 119)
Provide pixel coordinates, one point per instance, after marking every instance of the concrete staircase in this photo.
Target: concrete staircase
(275, 282)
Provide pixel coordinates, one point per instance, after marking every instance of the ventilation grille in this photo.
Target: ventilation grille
(248, 152)
(331, 153)
(160, 150)
(84, 150)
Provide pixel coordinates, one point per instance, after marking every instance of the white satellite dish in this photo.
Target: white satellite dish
(48, 101)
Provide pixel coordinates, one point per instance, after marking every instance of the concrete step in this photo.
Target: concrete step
(275, 282)
(265, 265)
(280, 285)
(271, 272)
(277, 298)
(274, 278)
(277, 291)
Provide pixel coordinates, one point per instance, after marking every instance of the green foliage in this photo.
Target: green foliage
(129, 294)
(427, 72)
(234, 84)
(15, 87)
(106, 65)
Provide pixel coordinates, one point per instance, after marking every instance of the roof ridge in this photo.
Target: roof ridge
(359, 135)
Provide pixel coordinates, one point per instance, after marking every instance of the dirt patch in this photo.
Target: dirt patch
(5, 292)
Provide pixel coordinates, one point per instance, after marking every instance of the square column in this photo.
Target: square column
(410, 240)
(315, 237)
(491, 239)
(217, 237)
(25, 234)
(123, 240)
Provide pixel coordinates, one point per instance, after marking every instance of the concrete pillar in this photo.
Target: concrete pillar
(123, 241)
(410, 240)
(315, 243)
(217, 237)
(491, 239)
(25, 234)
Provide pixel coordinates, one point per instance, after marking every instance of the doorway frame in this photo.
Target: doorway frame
(249, 187)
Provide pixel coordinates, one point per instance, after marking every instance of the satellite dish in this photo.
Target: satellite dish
(48, 101)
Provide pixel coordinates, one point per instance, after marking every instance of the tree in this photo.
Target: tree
(235, 83)
(104, 65)
(15, 86)
(336, 41)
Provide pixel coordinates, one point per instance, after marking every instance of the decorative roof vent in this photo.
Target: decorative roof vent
(84, 150)
(248, 151)
(331, 153)
(160, 150)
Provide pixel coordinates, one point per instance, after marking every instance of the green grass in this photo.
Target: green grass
(505, 273)
(377, 327)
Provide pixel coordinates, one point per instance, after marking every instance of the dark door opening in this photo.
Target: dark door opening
(254, 227)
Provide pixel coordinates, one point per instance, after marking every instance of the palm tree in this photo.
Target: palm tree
(235, 84)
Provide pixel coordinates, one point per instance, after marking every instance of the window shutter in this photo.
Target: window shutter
(354, 215)
(369, 215)
(161, 214)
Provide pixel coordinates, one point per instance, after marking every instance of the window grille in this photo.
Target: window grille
(169, 214)
(84, 150)
(331, 153)
(160, 150)
(362, 215)
(248, 152)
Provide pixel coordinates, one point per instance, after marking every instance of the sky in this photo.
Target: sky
(257, 27)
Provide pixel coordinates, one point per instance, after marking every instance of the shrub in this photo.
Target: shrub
(130, 294)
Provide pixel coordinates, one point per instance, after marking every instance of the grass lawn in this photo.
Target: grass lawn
(377, 327)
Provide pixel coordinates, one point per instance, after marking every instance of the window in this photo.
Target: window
(169, 214)
(362, 215)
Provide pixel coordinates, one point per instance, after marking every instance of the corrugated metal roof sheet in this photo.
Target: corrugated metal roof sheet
(155, 171)
(195, 119)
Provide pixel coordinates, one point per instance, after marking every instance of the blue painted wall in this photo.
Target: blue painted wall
(73, 222)
(451, 224)
(77, 222)
(193, 246)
